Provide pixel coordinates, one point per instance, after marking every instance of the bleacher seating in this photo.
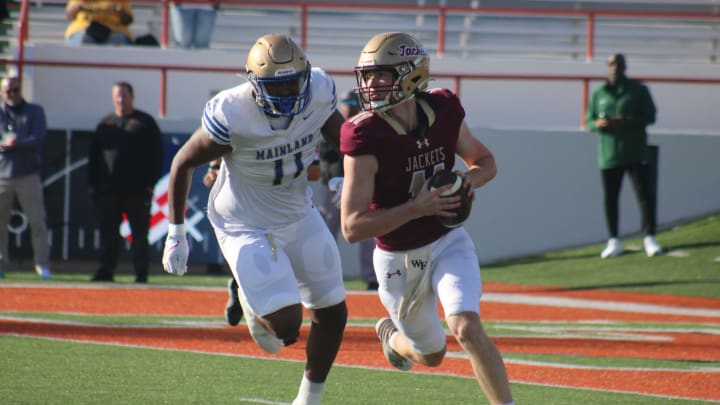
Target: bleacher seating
(48, 22)
(466, 35)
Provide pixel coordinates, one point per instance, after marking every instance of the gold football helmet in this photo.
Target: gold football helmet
(398, 56)
(280, 75)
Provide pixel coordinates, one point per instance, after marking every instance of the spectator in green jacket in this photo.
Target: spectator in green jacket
(619, 111)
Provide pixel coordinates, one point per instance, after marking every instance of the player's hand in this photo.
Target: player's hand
(175, 254)
(210, 177)
(430, 202)
(467, 185)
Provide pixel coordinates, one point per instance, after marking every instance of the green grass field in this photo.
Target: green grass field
(51, 372)
(691, 268)
(43, 371)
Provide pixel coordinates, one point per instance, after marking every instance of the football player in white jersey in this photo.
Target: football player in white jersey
(280, 252)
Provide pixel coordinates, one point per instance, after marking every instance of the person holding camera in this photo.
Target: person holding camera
(100, 22)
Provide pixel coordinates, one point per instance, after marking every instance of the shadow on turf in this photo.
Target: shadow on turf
(535, 259)
(633, 285)
(584, 255)
(700, 245)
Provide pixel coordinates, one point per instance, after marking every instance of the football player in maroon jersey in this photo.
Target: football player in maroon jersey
(404, 135)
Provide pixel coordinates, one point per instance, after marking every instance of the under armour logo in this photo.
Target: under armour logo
(422, 142)
(390, 274)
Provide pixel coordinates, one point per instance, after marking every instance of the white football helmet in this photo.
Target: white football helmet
(399, 54)
(280, 74)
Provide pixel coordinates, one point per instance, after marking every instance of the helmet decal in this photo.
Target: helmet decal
(286, 71)
(405, 50)
(393, 67)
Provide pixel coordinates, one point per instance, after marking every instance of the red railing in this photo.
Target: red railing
(457, 78)
(590, 15)
(441, 11)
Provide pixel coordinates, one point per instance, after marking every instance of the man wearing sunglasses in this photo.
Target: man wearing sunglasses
(23, 128)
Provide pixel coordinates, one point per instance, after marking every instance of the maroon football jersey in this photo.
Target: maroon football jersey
(405, 161)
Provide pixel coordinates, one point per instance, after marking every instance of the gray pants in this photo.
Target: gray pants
(28, 190)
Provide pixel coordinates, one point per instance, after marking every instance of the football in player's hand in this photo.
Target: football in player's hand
(445, 177)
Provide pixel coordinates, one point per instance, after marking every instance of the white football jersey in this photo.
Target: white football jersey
(263, 182)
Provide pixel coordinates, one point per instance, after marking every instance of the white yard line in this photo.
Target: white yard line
(551, 364)
(507, 298)
(604, 305)
(262, 401)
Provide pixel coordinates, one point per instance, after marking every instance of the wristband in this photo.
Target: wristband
(176, 229)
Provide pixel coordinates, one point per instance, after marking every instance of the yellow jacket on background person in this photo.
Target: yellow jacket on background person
(116, 15)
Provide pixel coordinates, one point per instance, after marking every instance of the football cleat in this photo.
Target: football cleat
(263, 337)
(233, 309)
(385, 328)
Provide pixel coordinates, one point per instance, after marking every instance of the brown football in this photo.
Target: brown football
(443, 178)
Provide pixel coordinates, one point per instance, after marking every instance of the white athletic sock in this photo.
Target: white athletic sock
(509, 403)
(391, 339)
(309, 392)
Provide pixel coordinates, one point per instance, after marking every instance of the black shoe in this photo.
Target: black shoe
(233, 310)
(102, 276)
(373, 286)
(141, 279)
(215, 268)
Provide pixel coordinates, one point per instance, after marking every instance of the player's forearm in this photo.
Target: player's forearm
(331, 130)
(482, 172)
(366, 225)
(178, 190)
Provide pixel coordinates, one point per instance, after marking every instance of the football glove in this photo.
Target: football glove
(175, 254)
